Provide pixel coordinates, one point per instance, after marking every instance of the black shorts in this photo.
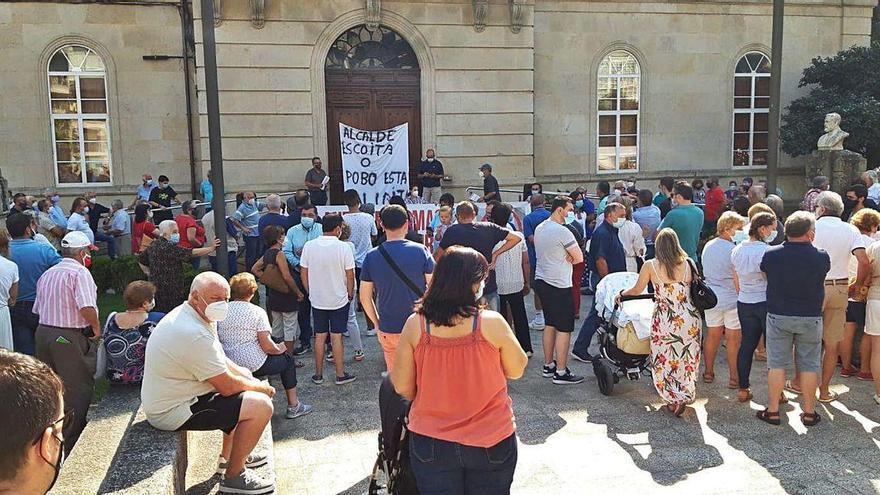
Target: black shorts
(214, 412)
(855, 313)
(558, 306)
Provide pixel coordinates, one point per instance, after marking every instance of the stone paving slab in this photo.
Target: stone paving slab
(575, 440)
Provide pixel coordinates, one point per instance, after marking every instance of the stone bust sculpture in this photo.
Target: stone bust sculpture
(834, 135)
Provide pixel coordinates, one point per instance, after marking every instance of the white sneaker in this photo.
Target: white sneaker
(371, 332)
(537, 323)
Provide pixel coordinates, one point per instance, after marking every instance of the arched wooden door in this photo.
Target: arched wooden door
(372, 81)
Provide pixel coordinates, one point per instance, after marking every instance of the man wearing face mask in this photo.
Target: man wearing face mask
(686, 219)
(163, 196)
(190, 385)
(33, 450)
(606, 256)
(856, 199)
(56, 212)
(491, 191)
(316, 182)
(69, 332)
(247, 219)
(19, 204)
(78, 221)
(33, 259)
(297, 236)
(431, 173)
(144, 189)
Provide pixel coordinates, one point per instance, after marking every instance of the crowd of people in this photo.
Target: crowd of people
(450, 301)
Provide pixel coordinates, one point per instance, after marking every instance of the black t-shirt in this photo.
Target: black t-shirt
(490, 184)
(434, 167)
(481, 236)
(163, 197)
(95, 212)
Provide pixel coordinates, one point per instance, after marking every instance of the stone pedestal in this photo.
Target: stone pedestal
(842, 167)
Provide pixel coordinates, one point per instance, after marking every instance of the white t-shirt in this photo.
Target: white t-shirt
(363, 226)
(874, 192)
(327, 259)
(8, 276)
(839, 239)
(80, 223)
(182, 354)
(552, 241)
(508, 267)
(238, 334)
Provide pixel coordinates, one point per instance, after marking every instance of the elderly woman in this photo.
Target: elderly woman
(867, 220)
(463, 434)
(163, 263)
(751, 285)
(723, 318)
(631, 238)
(8, 290)
(245, 334)
(126, 333)
(675, 331)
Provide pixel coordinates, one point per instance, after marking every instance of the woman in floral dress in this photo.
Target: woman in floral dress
(675, 333)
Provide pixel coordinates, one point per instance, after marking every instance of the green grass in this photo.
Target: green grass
(108, 303)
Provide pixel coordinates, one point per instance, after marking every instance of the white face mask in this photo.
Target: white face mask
(151, 305)
(480, 290)
(85, 210)
(216, 311)
(619, 222)
(93, 200)
(482, 175)
(430, 159)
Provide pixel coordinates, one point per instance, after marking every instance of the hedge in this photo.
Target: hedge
(117, 274)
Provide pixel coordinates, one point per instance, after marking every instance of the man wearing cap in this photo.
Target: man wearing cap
(69, 331)
(491, 192)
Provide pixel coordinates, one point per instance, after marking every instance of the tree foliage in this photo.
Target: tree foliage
(846, 83)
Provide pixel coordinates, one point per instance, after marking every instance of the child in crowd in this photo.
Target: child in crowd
(445, 214)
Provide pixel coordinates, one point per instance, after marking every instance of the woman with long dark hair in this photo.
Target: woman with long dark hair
(453, 362)
(143, 226)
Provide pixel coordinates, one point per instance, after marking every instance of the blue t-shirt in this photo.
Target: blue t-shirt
(33, 259)
(207, 190)
(530, 223)
(795, 278)
(606, 244)
(687, 222)
(394, 298)
(249, 216)
(273, 219)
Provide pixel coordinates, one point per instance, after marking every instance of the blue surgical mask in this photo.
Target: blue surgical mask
(770, 237)
(570, 218)
(56, 199)
(307, 222)
(175, 238)
(579, 204)
(619, 222)
(739, 236)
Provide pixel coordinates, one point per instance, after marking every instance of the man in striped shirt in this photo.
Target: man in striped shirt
(67, 337)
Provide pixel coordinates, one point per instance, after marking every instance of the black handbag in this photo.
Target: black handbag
(702, 296)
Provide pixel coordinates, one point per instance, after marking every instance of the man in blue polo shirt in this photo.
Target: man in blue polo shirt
(606, 256)
(431, 173)
(530, 223)
(247, 219)
(33, 259)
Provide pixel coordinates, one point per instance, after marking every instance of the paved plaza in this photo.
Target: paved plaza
(575, 440)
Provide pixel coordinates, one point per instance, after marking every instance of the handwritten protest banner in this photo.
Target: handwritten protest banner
(375, 163)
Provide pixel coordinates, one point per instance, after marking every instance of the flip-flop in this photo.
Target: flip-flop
(831, 398)
(790, 388)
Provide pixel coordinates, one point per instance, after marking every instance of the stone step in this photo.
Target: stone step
(204, 450)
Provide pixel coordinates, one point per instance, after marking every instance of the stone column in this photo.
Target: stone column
(842, 167)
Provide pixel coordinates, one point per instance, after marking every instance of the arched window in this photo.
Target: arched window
(751, 110)
(78, 108)
(619, 90)
(362, 48)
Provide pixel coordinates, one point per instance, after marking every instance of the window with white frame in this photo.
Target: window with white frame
(77, 81)
(751, 110)
(619, 88)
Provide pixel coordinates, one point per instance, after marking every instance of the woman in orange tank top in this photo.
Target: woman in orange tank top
(453, 362)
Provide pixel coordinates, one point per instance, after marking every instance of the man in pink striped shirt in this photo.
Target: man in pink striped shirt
(69, 330)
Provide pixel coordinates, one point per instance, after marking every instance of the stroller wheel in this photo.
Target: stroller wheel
(604, 377)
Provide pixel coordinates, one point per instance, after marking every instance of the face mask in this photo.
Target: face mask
(175, 238)
(149, 214)
(619, 222)
(570, 218)
(216, 311)
(630, 184)
(579, 203)
(430, 160)
(163, 186)
(87, 261)
(151, 305)
(479, 293)
(739, 237)
(56, 198)
(250, 202)
(414, 192)
(307, 222)
(86, 209)
(770, 237)
(482, 175)
(849, 203)
(732, 187)
(536, 191)
(93, 200)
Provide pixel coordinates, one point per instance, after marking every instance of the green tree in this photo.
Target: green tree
(846, 83)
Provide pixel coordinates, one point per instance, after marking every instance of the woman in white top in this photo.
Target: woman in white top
(867, 220)
(8, 290)
(630, 235)
(79, 219)
(723, 318)
(246, 338)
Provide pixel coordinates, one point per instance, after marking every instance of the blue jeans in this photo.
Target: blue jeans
(649, 252)
(233, 262)
(304, 315)
(24, 327)
(279, 364)
(318, 198)
(442, 467)
(253, 247)
(111, 243)
(588, 329)
(753, 321)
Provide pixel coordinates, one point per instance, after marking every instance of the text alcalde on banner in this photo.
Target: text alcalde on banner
(375, 163)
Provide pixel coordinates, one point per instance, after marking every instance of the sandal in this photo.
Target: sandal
(744, 395)
(831, 398)
(733, 384)
(708, 377)
(789, 387)
(769, 417)
(810, 419)
(783, 399)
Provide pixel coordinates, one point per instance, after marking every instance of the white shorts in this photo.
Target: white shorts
(872, 318)
(727, 318)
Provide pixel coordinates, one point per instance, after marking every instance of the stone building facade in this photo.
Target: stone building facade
(564, 92)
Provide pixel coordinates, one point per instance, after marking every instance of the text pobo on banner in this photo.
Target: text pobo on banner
(375, 163)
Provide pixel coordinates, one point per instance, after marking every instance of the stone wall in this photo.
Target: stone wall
(146, 98)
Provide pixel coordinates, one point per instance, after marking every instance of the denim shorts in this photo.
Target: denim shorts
(330, 320)
(804, 333)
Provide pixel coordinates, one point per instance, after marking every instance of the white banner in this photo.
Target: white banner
(375, 163)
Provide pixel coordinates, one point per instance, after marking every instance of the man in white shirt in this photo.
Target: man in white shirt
(557, 250)
(841, 241)
(330, 290)
(190, 384)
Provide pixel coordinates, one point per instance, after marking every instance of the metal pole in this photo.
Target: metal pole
(212, 99)
(775, 92)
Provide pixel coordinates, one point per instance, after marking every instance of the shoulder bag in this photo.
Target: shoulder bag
(702, 296)
(397, 271)
(273, 279)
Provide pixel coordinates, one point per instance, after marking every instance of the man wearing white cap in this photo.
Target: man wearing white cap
(69, 331)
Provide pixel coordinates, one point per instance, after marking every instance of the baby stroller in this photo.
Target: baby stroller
(393, 458)
(623, 332)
